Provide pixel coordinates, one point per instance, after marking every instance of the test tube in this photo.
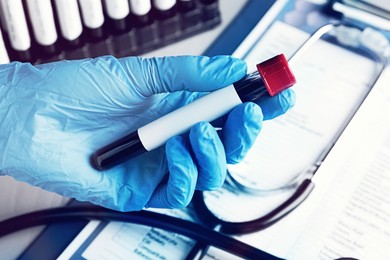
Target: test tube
(4, 58)
(69, 20)
(3, 24)
(164, 8)
(140, 10)
(93, 18)
(117, 11)
(272, 76)
(209, 2)
(191, 16)
(186, 5)
(41, 17)
(16, 28)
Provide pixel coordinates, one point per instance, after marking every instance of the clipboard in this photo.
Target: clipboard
(56, 237)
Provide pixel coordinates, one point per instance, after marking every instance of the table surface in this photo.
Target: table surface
(17, 198)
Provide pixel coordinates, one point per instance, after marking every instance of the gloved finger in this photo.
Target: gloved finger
(209, 155)
(277, 105)
(271, 106)
(240, 131)
(190, 73)
(178, 190)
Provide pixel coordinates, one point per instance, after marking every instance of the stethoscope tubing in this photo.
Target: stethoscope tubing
(237, 228)
(147, 218)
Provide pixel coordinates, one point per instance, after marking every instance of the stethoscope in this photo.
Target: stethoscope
(374, 45)
(214, 230)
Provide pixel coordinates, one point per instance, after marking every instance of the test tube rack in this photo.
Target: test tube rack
(159, 31)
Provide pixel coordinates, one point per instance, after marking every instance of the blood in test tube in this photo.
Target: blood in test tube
(271, 77)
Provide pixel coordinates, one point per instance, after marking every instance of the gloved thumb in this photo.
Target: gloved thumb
(190, 73)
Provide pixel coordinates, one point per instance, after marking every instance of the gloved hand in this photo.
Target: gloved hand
(54, 116)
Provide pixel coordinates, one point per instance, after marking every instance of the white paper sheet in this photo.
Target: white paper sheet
(349, 213)
(117, 240)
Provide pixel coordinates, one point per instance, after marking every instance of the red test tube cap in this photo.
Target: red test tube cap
(276, 74)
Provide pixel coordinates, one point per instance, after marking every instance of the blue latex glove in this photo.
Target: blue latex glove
(54, 116)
